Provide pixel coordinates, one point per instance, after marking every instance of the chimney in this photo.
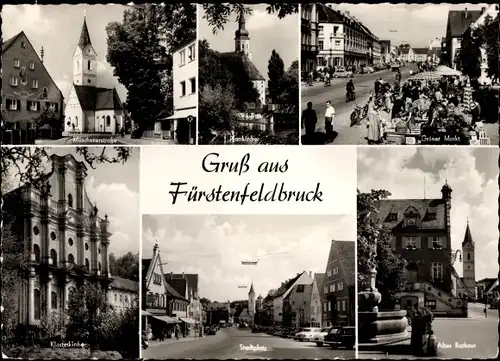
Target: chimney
(310, 274)
(183, 275)
(348, 13)
(483, 9)
(466, 13)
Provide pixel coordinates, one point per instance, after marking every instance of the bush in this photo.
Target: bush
(120, 332)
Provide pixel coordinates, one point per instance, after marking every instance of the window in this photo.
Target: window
(99, 266)
(325, 289)
(343, 305)
(437, 271)
(36, 231)
(70, 200)
(37, 304)
(23, 45)
(53, 300)
(53, 256)
(87, 264)
(89, 67)
(430, 304)
(392, 217)
(34, 84)
(70, 241)
(337, 42)
(437, 242)
(468, 256)
(193, 85)
(329, 306)
(431, 216)
(300, 288)
(45, 93)
(320, 44)
(329, 273)
(99, 250)
(410, 242)
(192, 53)
(14, 81)
(36, 252)
(86, 246)
(17, 63)
(108, 121)
(182, 56)
(332, 287)
(32, 65)
(340, 286)
(337, 306)
(320, 28)
(71, 258)
(33, 106)
(116, 297)
(183, 88)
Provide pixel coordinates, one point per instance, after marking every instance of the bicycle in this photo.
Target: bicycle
(358, 114)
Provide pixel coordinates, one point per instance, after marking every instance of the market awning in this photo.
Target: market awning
(184, 113)
(167, 319)
(187, 320)
(146, 313)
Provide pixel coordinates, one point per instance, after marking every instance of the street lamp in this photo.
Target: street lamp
(190, 120)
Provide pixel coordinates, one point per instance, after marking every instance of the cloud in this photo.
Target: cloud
(122, 207)
(214, 246)
(404, 174)
(27, 18)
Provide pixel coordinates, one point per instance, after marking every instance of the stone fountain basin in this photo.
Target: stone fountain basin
(382, 327)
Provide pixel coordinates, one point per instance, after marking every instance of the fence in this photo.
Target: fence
(18, 136)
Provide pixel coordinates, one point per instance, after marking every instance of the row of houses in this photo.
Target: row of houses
(330, 37)
(314, 300)
(168, 299)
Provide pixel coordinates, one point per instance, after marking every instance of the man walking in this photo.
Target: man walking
(329, 115)
(309, 120)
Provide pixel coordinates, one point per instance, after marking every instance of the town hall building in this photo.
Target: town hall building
(91, 109)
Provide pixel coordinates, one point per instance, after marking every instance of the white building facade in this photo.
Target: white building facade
(331, 44)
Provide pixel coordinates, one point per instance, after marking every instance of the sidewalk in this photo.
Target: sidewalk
(145, 141)
(174, 340)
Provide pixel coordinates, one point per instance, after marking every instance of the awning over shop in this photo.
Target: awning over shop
(187, 320)
(184, 113)
(167, 319)
(146, 313)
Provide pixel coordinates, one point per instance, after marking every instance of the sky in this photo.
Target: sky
(472, 173)
(415, 24)
(267, 32)
(214, 246)
(57, 29)
(115, 190)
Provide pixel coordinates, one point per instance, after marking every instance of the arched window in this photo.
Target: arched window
(70, 200)
(88, 65)
(468, 256)
(76, 121)
(87, 264)
(37, 304)
(36, 252)
(70, 241)
(71, 258)
(108, 121)
(157, 300)
(53, 256)
(53, 300)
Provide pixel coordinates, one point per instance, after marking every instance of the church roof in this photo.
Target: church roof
(93, 98)
(242, 31)
(251, 69)
(84, 35)
(251, 289)
(124, 284)
(345, 253)
(468, 237)
(422, 206)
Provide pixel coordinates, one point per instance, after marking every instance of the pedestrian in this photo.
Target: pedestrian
(373, 125)
(329, 115)
(177, 331)
(485, 311)
(475, 112)
(309, 119)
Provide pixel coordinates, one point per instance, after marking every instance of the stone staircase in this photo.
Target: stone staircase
(446, 304)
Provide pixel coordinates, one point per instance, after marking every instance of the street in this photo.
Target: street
(318, 94)
(474, 337)
(236, 343)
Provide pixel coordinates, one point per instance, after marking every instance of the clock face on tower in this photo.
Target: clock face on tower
(411, 221)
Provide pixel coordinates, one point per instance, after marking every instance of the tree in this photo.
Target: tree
(469, 56)
(28, 165)
(216, 108)
(50, 117)
(391, 267)
(291, 93)
(126, 266)
(217, 15)
(276, 74)
(140, 49)
(492, 41)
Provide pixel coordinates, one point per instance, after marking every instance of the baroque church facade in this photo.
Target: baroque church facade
(91, 109)
(62, 240)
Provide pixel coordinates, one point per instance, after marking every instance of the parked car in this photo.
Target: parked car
(343, 73)
(341, 337)
(210, 331)
(369, 70)
(136, 133)
(307, 334)
(242, 325)
(320, 336)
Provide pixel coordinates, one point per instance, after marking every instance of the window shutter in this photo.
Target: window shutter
(443, 242)
(8, 102)
(28, 104)
(56, 107)
(430, 242)
(418, 242)
(37, 106)
(18, 104)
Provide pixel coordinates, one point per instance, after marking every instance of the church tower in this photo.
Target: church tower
(251, 303)
(84, 60)
(241, 38)
(469, 263)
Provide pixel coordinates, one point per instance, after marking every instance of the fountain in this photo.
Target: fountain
(378, 327)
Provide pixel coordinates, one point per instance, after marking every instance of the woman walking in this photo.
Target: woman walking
(373, 126)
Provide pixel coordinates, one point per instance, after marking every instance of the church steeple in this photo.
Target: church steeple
(468, 237)
(84, 35)
(251, 290)
(241, 38)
